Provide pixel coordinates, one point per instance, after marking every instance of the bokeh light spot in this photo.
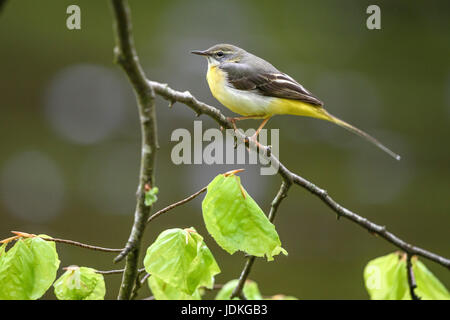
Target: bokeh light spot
(32, 187)
(85, 103)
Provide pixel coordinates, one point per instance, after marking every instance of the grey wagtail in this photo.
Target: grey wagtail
(255, 89)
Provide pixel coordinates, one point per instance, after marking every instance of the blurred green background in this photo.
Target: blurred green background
(70, 140)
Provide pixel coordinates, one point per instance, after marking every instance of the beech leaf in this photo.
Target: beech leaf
(236, 221)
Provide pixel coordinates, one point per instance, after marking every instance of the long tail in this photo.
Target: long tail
(360, 133)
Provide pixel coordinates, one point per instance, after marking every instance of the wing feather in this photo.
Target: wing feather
(273, 83)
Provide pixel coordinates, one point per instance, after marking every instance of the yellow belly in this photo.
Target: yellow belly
(248, 103)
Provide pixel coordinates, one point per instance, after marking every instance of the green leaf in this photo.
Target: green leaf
(251, 290)
(236, 221)
(428, 286)
(163, 291)
(150, 196)
(2, 249)
(181, 259)
(28, 269)
(386, 279)
(282, 297)
(80, 284)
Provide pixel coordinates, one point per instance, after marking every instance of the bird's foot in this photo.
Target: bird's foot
(254, 140)
(233, 121)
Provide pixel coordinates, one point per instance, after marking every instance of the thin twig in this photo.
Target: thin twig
(119, 271)
(282, 193)
(19, 234)
(139, 283)
(367, 224)
(411, 279)
(144, 278)
(126, 57)
(239, 289)
(188, 99)
(108, 272)
(82, 245)
(176, 204)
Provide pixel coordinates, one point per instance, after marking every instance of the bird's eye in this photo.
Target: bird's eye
(219, 54)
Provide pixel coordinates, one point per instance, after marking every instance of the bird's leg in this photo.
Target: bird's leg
(233, 120)
(262, 126)
(255, 136)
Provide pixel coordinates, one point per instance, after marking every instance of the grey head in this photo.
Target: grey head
(223, 53)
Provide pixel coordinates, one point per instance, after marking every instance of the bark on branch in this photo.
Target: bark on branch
(126, 57)
(411, 278)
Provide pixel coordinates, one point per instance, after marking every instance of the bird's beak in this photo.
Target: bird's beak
(200, 53)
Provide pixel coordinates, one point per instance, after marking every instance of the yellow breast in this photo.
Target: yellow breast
(246, 103)
(216, 80)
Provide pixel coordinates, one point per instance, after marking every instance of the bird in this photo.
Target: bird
(253, 88)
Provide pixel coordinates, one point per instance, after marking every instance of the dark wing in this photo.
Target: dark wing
(272, 83)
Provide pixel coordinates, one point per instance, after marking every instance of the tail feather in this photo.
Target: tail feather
(361, 133)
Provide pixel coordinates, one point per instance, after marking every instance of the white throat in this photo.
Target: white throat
(212, 62)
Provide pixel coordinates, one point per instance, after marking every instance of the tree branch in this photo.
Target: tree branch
(139, 283)
(127, 58)
(108, 272)
(176, 204)
(82, 245)
(19, 234)
(119, 271)
(411, 279)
